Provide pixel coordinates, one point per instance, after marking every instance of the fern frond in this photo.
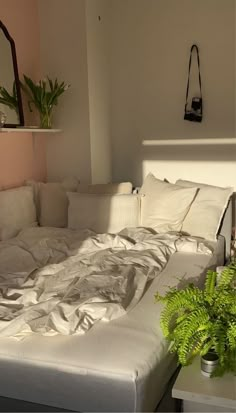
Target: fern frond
(228, 365)
(219, 340)
(196, 321)
(180, 303)
(210, 282)
(228, 275)
(190, 328)
(231, 335)
(223, 303)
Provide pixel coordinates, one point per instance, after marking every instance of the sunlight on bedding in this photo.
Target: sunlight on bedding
(73, 279)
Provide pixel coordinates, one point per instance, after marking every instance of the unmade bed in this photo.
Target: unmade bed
(122, 365)
(79, 326)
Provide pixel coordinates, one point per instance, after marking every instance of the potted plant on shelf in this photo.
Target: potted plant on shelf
(10, 99)
(197, 321)
(44, 95)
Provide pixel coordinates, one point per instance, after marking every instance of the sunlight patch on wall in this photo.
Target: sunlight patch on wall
(219, 173)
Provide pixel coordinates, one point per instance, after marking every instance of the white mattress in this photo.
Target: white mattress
(120, 366)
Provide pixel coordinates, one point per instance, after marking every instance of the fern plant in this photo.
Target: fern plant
(196, 321)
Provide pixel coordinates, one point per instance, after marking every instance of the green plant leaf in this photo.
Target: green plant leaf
(196, 320)
(8, 99)
(44, 95)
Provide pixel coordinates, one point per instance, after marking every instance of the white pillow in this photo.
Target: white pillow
(164, 205)
(103, 213)
(17, 211)
(52, 202)
(112, 188)
(207, 210)
(149, 183)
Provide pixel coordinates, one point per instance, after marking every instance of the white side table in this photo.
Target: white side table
(204, 394)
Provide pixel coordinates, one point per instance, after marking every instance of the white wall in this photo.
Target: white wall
(235, 64)
(149, 59)
(75, 48)
(143, 75)
(64, 55)
(98, 36)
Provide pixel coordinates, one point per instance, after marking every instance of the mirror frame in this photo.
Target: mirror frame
(17, 80)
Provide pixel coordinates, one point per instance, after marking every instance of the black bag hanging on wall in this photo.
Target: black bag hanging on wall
(195, 113)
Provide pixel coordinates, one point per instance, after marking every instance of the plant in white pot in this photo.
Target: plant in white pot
(197, 321)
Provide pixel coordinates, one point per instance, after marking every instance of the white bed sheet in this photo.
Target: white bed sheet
(103, 277)
(120, 366)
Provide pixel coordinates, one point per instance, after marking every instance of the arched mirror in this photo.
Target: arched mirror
(10, 94)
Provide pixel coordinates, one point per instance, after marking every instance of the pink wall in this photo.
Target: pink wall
(20, 158)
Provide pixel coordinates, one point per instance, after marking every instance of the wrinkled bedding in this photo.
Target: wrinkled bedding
(60, 281)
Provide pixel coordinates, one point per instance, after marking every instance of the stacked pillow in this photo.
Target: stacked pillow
(164, 206)
(103, 207)
(104, 212)
(194, 208)
(207, 210)
(54, 199)
(52, 202)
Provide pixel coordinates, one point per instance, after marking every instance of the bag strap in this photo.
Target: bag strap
(194, 46)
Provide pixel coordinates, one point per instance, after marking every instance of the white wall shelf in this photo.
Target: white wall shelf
(203, 141)
(29, 129)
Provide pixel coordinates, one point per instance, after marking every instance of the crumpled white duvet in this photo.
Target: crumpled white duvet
(59, 281)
